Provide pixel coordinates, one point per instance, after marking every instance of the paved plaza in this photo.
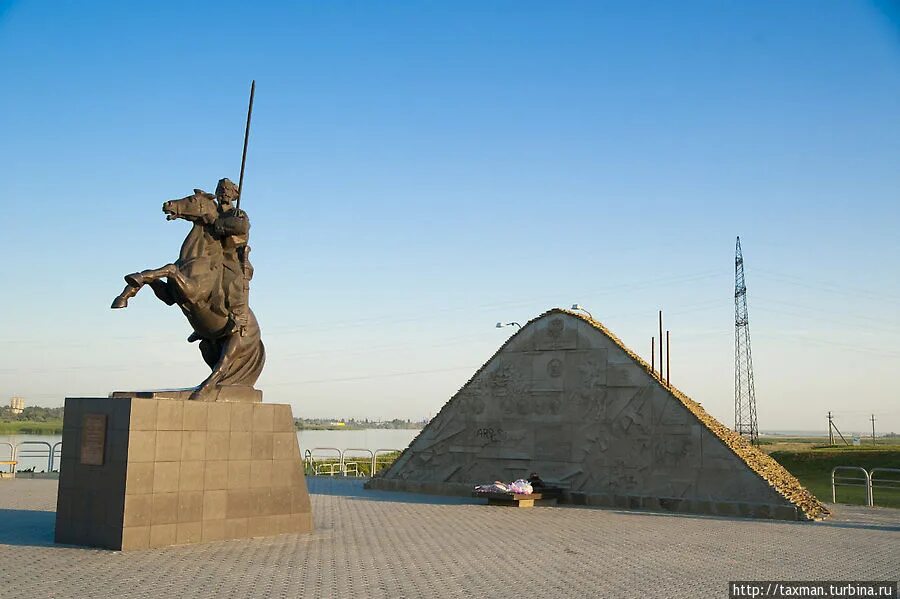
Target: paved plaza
(379, 544)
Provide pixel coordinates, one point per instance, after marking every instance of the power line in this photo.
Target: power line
(374, 376)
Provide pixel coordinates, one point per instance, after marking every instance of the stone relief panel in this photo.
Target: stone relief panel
(587, 337)
(547, 370)
(522, 341)
(676, 451)
(669, 412)
(557, 331)
(547, 406)
(507, 383)
(554, 443)
(471, 401)
(594, 478)
(634, 417)
(585, 370)
(626, 375)
(631, 450)
(660, 482)
(625, 479)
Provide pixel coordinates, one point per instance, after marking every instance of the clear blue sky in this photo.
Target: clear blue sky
(419, 171)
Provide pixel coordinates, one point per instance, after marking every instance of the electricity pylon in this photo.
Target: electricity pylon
(744, 391)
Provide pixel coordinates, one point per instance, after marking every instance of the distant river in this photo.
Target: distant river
(371, 439)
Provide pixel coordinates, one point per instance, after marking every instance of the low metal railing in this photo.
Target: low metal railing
(352, 468)
(889, 483)
(22, 451)
(375, 457)
(325, 467)
(11, 462)
(55, 451)
(868, 480)
(851, 481)
(335, 462)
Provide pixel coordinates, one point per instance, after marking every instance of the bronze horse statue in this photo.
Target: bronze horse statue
(235, 353)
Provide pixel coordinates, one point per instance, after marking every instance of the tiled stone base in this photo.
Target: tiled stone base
(177, 472)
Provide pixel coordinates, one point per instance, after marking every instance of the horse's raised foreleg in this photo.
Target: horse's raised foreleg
(121, 300)
(152, 277)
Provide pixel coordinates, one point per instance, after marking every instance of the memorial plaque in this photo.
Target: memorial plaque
(93, 439)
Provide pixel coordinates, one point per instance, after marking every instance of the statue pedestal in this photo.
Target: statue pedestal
(138, 473)
(218, 393)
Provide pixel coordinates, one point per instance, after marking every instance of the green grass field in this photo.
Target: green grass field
(811, 462)
(30, 427)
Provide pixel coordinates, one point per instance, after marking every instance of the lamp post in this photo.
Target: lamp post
(581, 308)
(500, 325)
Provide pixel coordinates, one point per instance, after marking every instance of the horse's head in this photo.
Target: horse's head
(200, 206)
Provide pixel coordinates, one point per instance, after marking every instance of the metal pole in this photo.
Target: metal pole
(668, 361)
(246, 139)
(873, 429)
(839, 434)
(653, 355)
(830, 433)
(660, 346)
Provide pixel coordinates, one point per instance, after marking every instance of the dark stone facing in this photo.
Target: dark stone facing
(181, 471)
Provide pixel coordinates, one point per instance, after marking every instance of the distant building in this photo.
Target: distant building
(16, 405)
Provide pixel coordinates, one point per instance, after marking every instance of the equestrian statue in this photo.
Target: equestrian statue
(210, 282)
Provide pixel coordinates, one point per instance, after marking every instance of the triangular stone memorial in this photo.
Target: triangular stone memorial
(565, 398)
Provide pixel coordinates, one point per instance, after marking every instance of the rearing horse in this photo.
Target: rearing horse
(194, 282)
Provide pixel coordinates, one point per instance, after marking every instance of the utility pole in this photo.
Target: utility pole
(832, 428)
(830, 431)
(744, 391)
(873, 429)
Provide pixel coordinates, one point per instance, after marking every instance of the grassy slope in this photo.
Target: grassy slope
(812, 464)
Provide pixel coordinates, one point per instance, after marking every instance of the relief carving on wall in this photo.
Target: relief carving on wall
(593, 374)
(635, 417)
(555, 368)
(510, 386)
(622, 478)
(671, 450)
(470, 401)
(590, 405)
(556, 328)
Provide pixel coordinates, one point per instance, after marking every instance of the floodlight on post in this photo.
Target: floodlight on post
(582, 309)
(500, 325)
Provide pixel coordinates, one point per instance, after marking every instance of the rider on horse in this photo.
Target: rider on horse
(232, 227)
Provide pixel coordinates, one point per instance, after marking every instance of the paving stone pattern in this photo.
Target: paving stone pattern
(380, 544)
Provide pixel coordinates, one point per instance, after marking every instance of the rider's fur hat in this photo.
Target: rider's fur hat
(226, 189)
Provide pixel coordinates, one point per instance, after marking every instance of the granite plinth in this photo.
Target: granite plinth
(236, 393)
(176, 472)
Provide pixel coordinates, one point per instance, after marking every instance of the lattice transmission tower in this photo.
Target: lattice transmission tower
(744, 392)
